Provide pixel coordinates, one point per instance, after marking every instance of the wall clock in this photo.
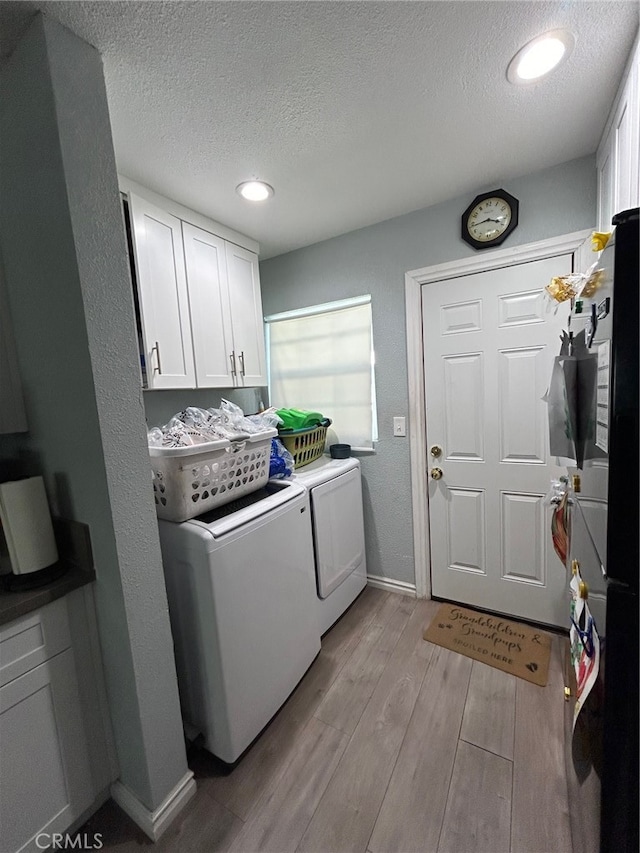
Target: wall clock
(489, 219)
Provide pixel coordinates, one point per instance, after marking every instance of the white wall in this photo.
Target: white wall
(70, 297)
(374, 260)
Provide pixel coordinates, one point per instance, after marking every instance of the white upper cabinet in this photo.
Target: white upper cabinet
(162, 291)
(206, 265)
(199, 298)
(246, 314)
(55, 748)
(618, 157)
(605, 166)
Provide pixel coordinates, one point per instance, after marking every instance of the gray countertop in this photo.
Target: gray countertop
(74, 547)
(15, 604)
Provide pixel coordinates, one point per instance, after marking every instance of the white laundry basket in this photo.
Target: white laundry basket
(188, 481)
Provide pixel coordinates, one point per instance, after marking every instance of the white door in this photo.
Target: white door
(246, 316)
(489, 345)
(209, 302)
(164, 304)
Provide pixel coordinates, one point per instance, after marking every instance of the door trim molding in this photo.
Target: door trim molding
(414, 279)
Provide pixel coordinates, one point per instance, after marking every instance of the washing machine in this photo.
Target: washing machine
(335, 491)
(243, 606)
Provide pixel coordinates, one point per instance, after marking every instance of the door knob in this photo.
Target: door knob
(436, 473)
(435, 450)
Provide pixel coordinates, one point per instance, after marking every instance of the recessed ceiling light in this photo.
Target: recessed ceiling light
(540, 56)
(255, 190)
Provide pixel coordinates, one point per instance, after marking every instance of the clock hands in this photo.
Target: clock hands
(482, 221)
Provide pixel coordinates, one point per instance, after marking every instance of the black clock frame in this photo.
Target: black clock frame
(488, 244)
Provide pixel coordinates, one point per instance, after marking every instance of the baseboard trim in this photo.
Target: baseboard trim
(391, 585)
(154, 823)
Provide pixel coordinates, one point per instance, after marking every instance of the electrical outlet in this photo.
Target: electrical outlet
(399, 426)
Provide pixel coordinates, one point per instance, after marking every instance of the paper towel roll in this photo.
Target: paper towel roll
(26, 524)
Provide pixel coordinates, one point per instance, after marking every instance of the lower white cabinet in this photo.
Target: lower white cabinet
(44, 763)
(50, 736)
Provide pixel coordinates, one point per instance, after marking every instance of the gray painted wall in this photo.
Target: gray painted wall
(374, 260)
(13, 417)
(162, 405)
(70, 298)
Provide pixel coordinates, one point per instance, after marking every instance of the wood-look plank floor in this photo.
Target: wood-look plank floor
(388, 745)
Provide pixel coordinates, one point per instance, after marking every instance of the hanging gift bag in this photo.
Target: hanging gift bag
(584, 641)
(561, 403)
(571, 400)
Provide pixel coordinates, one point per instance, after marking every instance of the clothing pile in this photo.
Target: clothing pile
(198, 426)
(299, 419)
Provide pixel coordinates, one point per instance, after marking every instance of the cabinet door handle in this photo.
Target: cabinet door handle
(156, 349)
(242, 363)
(232, 359)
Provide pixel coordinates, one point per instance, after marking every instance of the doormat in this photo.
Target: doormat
(510, 646)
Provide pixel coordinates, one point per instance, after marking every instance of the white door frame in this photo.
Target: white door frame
(414, 279)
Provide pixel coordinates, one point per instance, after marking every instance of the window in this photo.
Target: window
(321, 359)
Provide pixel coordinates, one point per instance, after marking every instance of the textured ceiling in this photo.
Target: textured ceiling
(354, 111)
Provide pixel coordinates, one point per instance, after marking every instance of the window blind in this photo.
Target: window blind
(321, 359)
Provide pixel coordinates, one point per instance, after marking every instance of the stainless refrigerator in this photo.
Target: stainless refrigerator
(605, 533)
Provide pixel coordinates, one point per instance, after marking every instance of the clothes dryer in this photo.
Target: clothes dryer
(335, 490)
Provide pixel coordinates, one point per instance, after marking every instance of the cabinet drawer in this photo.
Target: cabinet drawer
(30, 640)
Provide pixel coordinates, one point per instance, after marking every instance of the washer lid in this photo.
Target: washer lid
(324, 469)
(224, 519)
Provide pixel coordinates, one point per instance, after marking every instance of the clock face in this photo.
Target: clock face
(489, 219)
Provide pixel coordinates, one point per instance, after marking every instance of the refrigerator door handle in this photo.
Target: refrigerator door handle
(593, 544)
